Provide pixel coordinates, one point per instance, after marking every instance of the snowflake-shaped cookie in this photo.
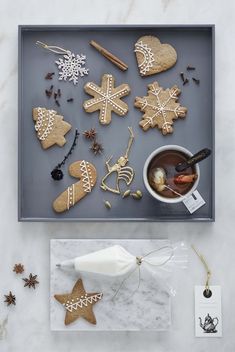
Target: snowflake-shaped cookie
(106, 98)
(160, 108)
(71, 67)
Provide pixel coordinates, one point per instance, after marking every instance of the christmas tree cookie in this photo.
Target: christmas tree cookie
(50, 127)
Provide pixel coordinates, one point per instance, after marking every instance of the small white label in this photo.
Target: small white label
(208, 316)
(194, 202)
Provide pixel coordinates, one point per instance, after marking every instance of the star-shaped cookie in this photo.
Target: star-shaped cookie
(79, 303)
(107, 98)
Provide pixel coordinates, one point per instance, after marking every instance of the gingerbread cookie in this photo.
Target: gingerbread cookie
(79, 303)
(86, 172)
(50, 127)
(153, 56)
(160, 108)
(106, 98)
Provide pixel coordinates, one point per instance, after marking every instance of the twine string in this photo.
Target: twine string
(53, 48)
(208, 271)
(139, 261)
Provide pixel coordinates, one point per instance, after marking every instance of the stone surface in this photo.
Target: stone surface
(145, 308)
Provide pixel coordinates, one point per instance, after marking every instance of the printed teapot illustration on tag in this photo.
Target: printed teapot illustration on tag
(209, 325)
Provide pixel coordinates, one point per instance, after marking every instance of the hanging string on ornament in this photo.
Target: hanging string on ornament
(207, 292)
(57, 173)
(71, 67)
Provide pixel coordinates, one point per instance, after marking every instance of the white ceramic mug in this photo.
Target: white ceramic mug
(145, 174)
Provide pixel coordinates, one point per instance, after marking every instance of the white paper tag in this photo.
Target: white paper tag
(194, 202)
(208, 316)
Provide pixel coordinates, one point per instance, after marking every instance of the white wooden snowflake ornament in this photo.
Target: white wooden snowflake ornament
(71, 67)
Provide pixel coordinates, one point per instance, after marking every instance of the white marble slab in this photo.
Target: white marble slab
(145, 308)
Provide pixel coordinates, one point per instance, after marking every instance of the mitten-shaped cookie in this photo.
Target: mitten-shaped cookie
(86, 172)
(50, 127)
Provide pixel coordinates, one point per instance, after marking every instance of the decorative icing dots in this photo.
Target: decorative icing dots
(45, 123)
(70, 200)
(87, 179)
(160, 108)
(82, 301)
(106, 98)
(148, 57)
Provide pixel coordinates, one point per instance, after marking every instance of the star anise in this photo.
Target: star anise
(90, 134)
(96, 148)
(31, 281)
(18, 268)
(10, 299)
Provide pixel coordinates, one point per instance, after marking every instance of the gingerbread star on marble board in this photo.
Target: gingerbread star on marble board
(79, 303)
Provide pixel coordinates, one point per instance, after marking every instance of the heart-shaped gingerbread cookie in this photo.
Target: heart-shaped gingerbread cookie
(153, 56)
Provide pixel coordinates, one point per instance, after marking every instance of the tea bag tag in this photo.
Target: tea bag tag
(194, 202)
(208, 315)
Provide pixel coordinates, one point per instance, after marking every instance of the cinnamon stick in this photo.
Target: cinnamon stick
(114, 59)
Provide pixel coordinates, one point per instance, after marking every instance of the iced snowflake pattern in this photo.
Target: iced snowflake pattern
(71, 67)
(107, 98)
(160, 108)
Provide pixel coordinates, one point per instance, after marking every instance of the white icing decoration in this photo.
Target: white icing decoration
(71, 67)
(87, 183)
(148, 57)
(44, 123)
(161, 108)
(70, 197)
(83, 302)
(86, 179)
(107, 97)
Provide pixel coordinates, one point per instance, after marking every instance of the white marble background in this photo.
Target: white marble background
(28, 324)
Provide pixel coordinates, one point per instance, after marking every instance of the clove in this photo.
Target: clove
(185, 81)
(49, 75)
(182, 76)
(197, 81)
(190, 68)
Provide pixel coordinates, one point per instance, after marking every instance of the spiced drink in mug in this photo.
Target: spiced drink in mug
(161, 178)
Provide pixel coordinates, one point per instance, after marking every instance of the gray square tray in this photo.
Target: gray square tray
(194, 45)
